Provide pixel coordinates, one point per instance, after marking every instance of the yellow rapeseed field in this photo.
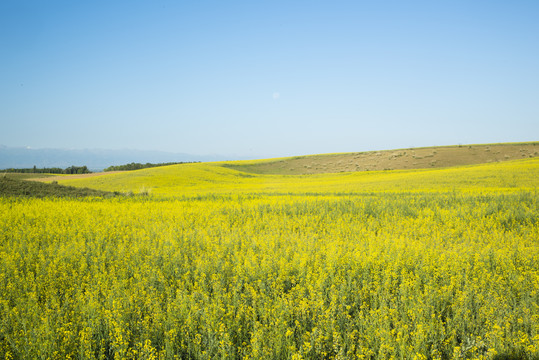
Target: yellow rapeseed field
(216, 263)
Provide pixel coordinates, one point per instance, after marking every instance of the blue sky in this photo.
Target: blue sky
(267, 78)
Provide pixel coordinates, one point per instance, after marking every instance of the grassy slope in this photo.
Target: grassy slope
(10, 186)
(417, 158)
(194, 179)
(27, 176)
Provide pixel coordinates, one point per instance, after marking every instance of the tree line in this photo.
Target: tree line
(53, 170)
(84, 169)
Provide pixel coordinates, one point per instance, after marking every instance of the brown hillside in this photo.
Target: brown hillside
(414, 158)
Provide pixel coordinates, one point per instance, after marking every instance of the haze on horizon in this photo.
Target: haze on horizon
(267, 78)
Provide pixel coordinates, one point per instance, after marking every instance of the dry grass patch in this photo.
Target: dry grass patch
(401, 159)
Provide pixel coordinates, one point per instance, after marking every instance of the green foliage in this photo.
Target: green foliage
(25, 176)
(16, 187)
(77, 170)
(54, 170)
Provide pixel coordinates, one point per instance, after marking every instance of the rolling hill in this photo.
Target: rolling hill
(268, 176)
(400, 159)
(270, 263)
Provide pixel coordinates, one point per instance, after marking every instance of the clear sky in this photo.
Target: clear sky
(267, 78)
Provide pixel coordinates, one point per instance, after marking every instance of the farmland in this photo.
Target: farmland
(216, 262)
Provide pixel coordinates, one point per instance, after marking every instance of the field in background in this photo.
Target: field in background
(214, 178)
(413, 158)
(221, 263)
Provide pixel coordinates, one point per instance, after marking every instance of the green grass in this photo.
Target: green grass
(24, 176)
(13, 186)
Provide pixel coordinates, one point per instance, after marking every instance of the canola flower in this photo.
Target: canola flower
(215, 179)
(445, 266)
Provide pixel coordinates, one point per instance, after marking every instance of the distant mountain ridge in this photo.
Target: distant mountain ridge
(94, 159)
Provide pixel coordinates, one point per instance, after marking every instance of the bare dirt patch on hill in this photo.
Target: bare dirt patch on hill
(413, 158)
